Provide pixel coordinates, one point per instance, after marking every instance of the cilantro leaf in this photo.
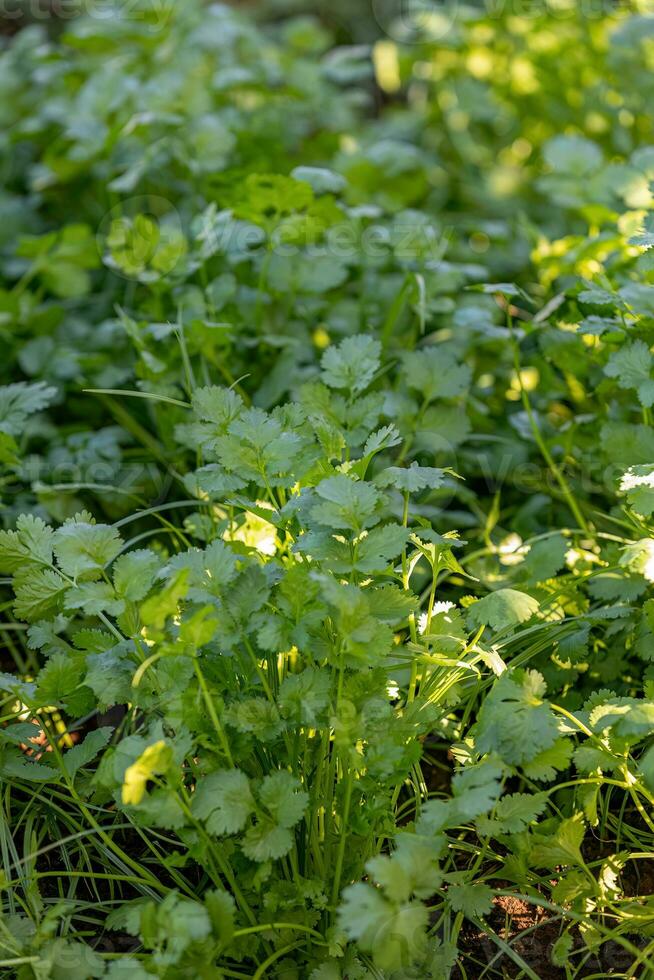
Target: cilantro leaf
(224, 801)
(267, 841)
(352, 364)
(545, 765)
(435, 373)
(304, 697)
(348, 504)
(503, 608)
(474, 899)
(30, 542)
(134, 573)
(81, 755)
(39, 593)
(632, 366)
(639, 558)
(514, 720)
(393, 932)
(513, 813)
(638, 484)
(562, 847)
(280, 794)
(20, 400)
(84, 548)
(61, 684)
(411, 479)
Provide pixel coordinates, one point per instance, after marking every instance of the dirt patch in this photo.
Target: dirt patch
(531, 932)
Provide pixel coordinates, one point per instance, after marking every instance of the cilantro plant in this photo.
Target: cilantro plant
(327, 493)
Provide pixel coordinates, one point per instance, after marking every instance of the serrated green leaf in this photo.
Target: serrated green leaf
(514, 721)
(30, 542)
(503, 608)
(393, 933)
(632, 365)
(513, 813)
(345, 504)
(81, 755)
(19, 401)
(545, 765)
(134, 574)
(435, 373)
(411, 479)
(283, 798)
(351, 365)
(39, 593)
(224, 801)
(83, 548)
(474, 899)
(267, 841)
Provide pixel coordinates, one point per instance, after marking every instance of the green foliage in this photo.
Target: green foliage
(279, 314)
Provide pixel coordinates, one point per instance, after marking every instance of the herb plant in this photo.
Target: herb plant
(327, 494)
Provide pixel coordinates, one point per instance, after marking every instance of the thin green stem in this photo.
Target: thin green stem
(540, 442)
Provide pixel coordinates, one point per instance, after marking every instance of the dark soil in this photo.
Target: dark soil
(531, 932)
